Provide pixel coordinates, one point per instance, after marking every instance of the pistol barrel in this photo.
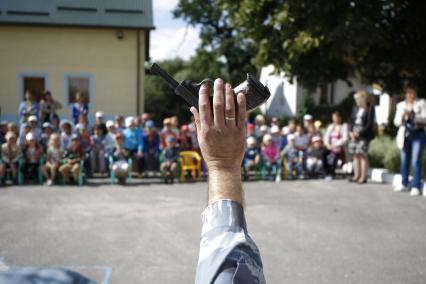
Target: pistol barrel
(156, 69)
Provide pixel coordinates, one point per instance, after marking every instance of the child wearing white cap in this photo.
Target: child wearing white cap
(32, 155)
(271, 157)
(315, 158)
(251, 156)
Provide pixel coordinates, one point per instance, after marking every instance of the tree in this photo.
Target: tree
(378, 41)
(320, 41)
(218, 38)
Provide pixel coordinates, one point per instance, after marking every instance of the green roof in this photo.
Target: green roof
(134, 14)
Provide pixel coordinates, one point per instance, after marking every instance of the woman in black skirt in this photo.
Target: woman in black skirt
(360, 134)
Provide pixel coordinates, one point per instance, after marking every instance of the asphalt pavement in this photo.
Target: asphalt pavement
(307, 231)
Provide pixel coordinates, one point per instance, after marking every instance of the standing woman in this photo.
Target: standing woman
(49, 107)
(335, 140)
(410, 117)
(361, 133)
(28, 107)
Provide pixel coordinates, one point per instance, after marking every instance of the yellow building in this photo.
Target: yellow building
(95, 47)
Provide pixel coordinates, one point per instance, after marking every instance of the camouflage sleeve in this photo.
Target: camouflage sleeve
(227, 253)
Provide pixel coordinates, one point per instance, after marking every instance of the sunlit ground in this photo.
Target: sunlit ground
(308, 232)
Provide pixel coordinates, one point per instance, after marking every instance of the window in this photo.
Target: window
(78, 84)
(36, 85)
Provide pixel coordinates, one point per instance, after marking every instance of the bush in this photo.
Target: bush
(383, 153)
(392, 160)
(379, 147)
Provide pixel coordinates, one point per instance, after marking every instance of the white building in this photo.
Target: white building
(287, 96)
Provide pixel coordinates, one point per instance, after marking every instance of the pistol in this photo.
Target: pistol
(256, 93)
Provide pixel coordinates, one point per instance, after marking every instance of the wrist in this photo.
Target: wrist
(225, 183)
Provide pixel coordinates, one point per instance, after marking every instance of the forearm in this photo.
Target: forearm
(225, 244)
(225, 184)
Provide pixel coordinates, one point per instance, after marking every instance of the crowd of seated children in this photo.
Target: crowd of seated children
(62, 144)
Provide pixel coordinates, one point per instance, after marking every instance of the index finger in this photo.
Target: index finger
(204, 106)
(241, 110)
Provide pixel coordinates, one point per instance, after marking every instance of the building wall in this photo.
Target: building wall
(56, 52)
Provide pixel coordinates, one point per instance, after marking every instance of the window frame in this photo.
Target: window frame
(21, 80)
(91, 78)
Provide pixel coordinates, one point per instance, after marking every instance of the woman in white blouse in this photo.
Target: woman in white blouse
(410, 117)
(335, 140)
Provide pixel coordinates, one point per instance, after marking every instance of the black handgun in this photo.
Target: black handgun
(256, 93)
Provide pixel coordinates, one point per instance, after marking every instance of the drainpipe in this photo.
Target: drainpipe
(138, 71)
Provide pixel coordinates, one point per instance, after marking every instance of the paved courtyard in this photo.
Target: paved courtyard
(308, 232)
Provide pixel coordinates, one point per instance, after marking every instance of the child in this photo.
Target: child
(66, 135)
(3, 131)
(170, 157)
(45, 136)
(315, 160)
(120, 156)
(97, 153)
(54, 156)
(55, 122)
(263, 131)
(82, 122)
(32, 121)
(250, 131)
(85, 140)
(184, 140)
(10, 154)
(291, 154)
(252, 155)
(270, 155)
(276, 136)
(25, 129)
(109, 141)
(73, 156)
(11, 126)
(151, 142)
(302, 142)
(32, 156)
(166, 131)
